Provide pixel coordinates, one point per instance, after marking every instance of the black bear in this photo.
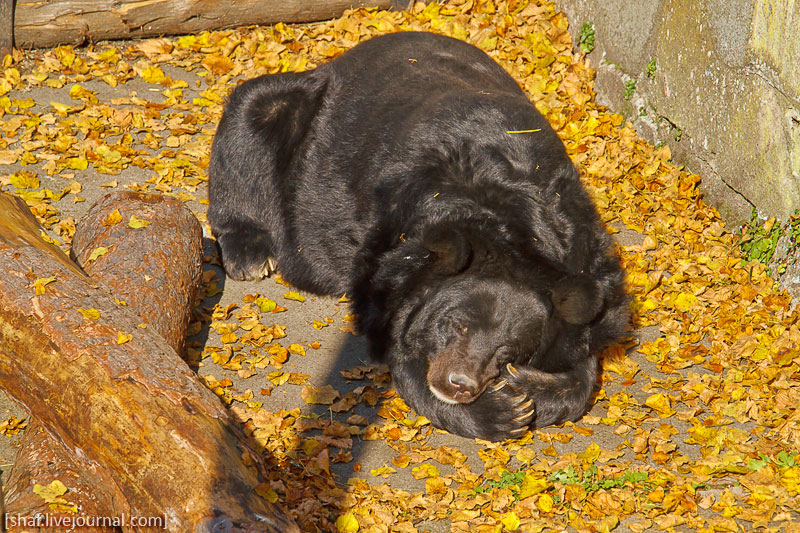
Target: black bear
(413, 174)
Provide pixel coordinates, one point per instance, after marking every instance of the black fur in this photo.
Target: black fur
(390, 174)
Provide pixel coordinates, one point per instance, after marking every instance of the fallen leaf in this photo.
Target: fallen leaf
(137, 223)
(319, 395)
(91, 314)
(114, 217)
(40, 284)
(97, 252)
(296, 296)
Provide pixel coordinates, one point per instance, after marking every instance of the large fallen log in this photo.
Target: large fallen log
(156, 269)
(158, 443)
(44, 24)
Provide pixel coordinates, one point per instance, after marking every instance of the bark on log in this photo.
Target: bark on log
(46, 23)
(156, 270)
(41, 460)
(160, 443)
(6, 27)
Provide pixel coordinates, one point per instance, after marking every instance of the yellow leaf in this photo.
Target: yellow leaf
(109, 155)
(278, 377)
(296, 348)
(51, 492)
(52, 495)
(97, 252)
(76, 163)
(153, 74)
(218, 64)
(790, 478)
(110, 55)
(47, 238)
(13, 426)
(91, 314)
(212, 289)
(24, 180)
(684, 301)
(532, 485)
(319, 395)
(229, 338)
(545, 503)
(298, 378)
(266, 305)
(591, 454)
(648, 305)
(347, 523)
(510, 521)
(401, 461)
(425, 470)
(319, 324)
(66, 55)
(123, 337)
(490, 43)
(39, 284)
(277, 278)
(77, 92)
(113, 217)
(61, 109)
(382, 471)
(136, 222)
(660, 404)
(296, 296)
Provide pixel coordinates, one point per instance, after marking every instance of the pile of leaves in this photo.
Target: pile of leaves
(697, 422)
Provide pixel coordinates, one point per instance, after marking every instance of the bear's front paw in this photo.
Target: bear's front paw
(245, 257)
(504, 410)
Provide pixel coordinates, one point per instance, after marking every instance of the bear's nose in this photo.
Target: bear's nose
(463, 383)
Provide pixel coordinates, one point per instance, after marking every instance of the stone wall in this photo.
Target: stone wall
(722, 89)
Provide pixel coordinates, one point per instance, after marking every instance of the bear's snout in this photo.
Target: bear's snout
(456, 375)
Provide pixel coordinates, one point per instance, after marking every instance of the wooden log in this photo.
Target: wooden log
(6, 27)
(41, 460)
(46, 23)
(156, 270)
(161, 443)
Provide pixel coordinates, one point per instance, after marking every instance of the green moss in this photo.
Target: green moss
(630, 88)
(793, 233)
(586, 37)
(591, 481)
(650, 69)
(760, 240)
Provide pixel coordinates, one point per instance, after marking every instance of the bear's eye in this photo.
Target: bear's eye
(454, 325)
(504, 354)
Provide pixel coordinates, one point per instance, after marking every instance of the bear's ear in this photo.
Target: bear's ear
(450, 247)
(284, 108)
(577, 299)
